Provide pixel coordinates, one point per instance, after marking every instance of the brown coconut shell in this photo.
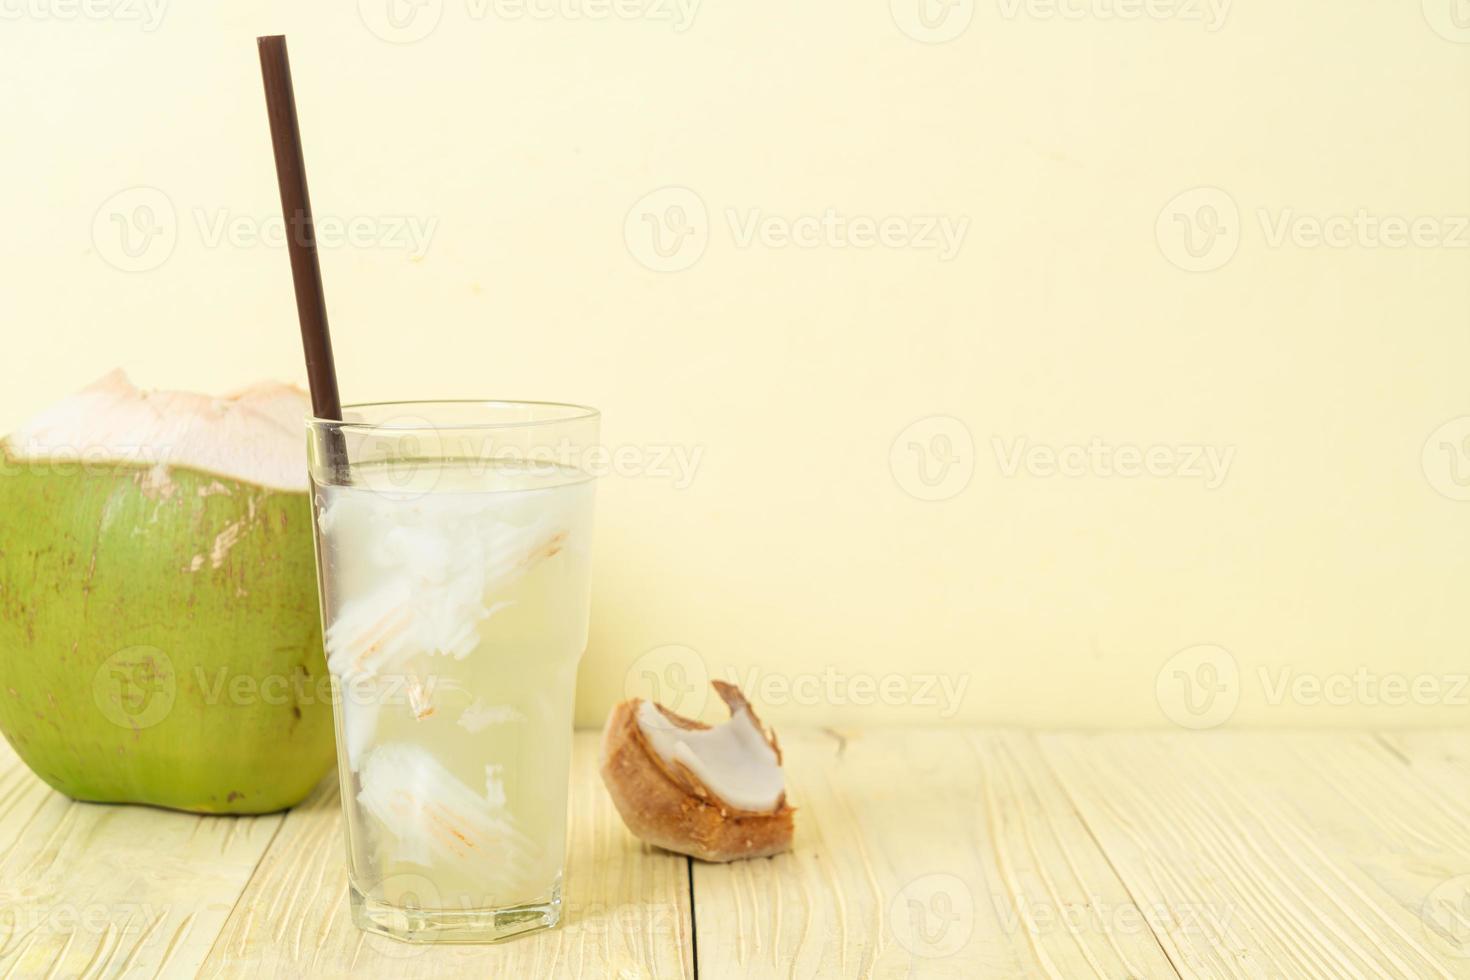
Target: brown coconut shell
(668, 806)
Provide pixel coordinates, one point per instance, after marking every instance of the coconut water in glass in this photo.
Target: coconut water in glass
(453, 544)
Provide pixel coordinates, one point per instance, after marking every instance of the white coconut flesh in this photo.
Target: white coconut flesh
(431, 818)
(732, 760)
(430, 572)
(253, 435)
(436, 576)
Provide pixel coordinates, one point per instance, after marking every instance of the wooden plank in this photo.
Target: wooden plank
(94, 890)
(1273, 854)
(919, 853)
(1441, 759)
(923, 853)
(626, 910)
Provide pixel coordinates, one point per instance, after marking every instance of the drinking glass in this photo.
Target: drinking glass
(452, 545)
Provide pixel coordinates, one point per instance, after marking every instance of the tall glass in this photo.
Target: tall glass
(452, 544)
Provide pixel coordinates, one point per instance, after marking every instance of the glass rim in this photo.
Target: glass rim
(573, 413)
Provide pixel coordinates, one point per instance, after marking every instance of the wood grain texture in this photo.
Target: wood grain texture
(1440, 762)
(1273, 855)
(626, 911)
(92, 890)
(923, 853)
(944, 853)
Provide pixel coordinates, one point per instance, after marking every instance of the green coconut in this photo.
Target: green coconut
(160, 638)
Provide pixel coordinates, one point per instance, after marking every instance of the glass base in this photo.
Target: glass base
(418, 925)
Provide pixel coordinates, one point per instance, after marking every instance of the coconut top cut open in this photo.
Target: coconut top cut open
(253, 435)
(713, 792)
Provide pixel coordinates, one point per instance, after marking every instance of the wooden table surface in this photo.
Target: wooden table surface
(943, 853)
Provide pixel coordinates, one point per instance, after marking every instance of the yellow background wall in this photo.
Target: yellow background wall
(1134, 190)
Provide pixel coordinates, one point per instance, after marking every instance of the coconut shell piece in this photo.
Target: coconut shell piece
(667, 805)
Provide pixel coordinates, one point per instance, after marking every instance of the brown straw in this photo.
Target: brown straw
(306, 273)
